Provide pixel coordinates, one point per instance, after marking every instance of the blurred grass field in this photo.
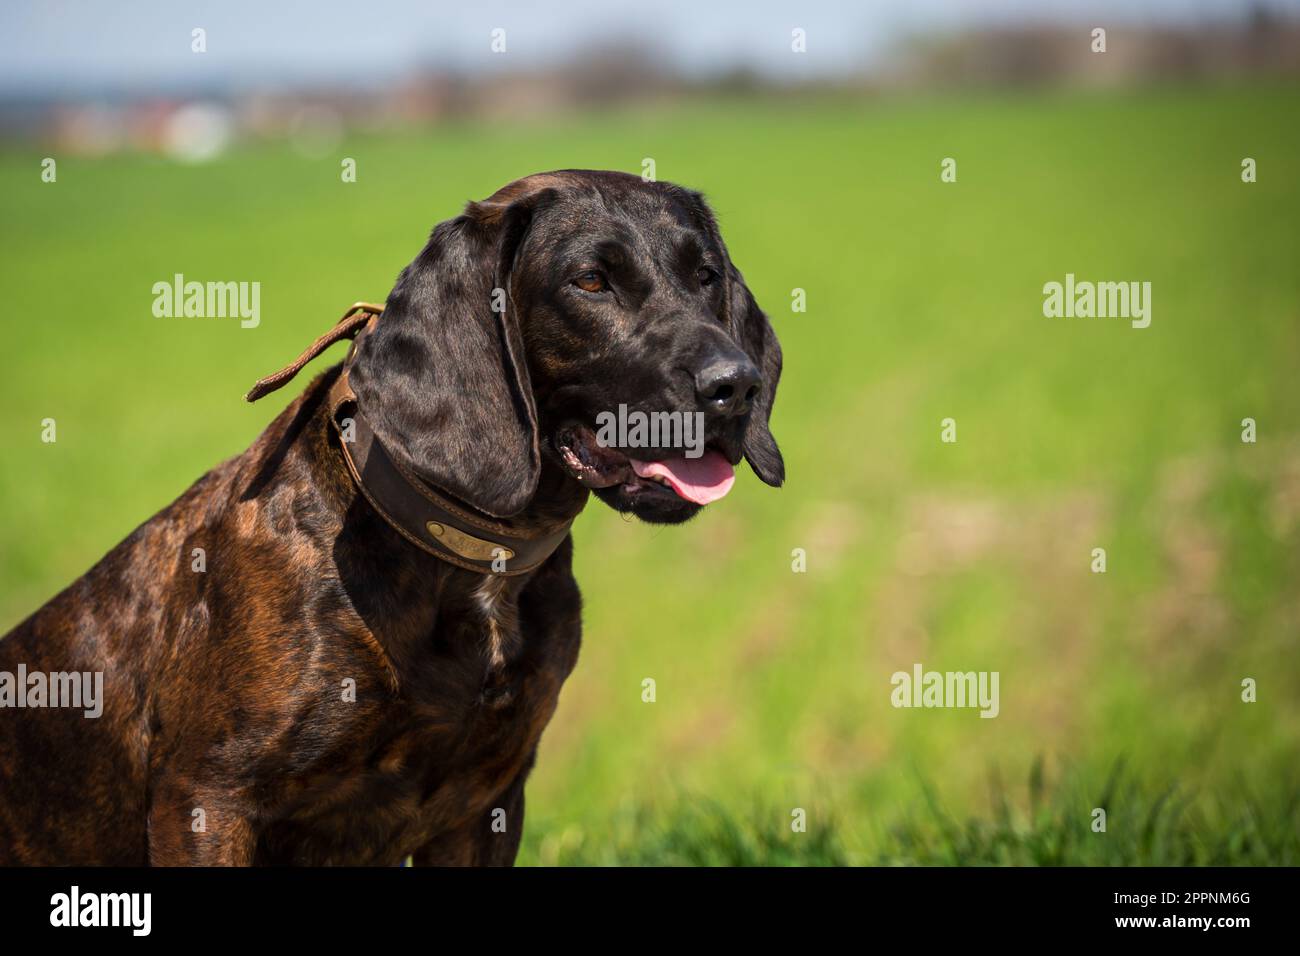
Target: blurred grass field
(924, 302)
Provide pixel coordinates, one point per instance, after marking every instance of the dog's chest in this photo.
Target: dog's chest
(444, 752)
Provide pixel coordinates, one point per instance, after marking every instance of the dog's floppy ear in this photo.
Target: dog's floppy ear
(750, 329)
(442, 377)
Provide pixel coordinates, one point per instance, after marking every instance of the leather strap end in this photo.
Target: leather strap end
(357, 317)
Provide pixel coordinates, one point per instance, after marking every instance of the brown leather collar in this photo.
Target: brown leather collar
(431, 521)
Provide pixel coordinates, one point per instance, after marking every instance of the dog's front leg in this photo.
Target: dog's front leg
(194, 826)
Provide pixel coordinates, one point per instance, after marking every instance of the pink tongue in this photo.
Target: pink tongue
(700, 480)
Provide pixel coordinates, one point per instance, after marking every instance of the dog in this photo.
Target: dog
(342, 646)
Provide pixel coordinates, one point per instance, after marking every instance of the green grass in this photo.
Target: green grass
(924, 302)
(1033, 826)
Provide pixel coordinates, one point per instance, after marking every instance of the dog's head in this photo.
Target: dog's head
(591, 318)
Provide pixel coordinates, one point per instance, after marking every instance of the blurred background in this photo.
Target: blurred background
(817, 129)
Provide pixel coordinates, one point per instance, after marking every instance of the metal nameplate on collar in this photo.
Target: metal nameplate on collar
(467, 546)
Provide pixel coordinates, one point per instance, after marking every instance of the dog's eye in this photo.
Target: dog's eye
(706, 275)
(591, 282)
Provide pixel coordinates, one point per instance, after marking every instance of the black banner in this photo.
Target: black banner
(208, 906)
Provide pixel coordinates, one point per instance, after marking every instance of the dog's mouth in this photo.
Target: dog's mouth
(698, 480)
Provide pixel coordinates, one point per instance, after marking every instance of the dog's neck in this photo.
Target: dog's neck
(559, 498)
(404, 594)
(433, 520)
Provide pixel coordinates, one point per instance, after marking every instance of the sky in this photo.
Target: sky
(63, 46)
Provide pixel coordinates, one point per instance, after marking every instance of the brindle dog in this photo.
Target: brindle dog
(230, 733)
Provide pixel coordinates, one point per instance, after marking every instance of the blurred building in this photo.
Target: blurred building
(200, 127)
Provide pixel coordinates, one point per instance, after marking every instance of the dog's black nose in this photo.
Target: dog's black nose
(727, 386)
